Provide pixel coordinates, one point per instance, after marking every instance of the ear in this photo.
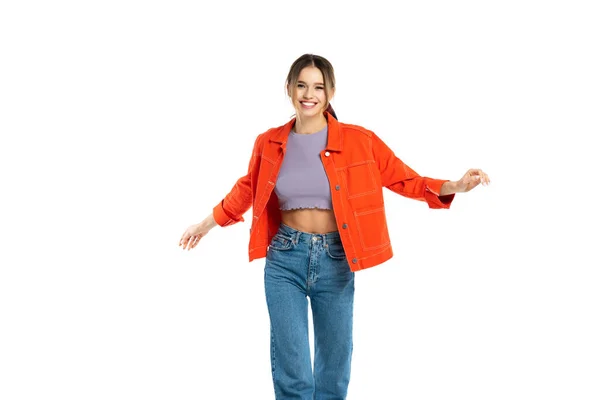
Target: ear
(287, 88)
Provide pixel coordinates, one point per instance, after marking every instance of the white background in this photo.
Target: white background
(124, 122)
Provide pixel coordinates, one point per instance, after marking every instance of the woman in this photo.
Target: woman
(315, 188)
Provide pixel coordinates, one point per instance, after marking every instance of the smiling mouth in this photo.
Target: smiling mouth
(308, 104)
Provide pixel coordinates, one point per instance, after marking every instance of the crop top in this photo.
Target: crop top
(302, 182)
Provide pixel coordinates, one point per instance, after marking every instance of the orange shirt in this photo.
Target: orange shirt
(358, 165)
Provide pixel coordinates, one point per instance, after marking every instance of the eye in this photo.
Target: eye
(319, 88)
(300, 86)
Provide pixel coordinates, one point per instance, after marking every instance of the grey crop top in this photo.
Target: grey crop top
(302, 182)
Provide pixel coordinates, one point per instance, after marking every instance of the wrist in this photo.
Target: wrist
(209, 222)
(449, 187)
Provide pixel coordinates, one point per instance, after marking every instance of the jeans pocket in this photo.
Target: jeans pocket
(281, 242)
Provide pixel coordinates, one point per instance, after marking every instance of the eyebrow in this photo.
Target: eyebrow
(318, 83)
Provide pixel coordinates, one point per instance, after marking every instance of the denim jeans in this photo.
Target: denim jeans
(300, 266)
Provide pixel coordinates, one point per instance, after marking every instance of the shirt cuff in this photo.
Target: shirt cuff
(433, 187)
(222, 218)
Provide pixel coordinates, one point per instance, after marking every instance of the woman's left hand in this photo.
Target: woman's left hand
(471, 179)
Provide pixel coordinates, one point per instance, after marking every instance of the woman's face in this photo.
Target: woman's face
(308, 97)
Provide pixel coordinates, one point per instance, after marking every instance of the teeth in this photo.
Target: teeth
(308, 104)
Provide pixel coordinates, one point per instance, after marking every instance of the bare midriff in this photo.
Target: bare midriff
(310, 220)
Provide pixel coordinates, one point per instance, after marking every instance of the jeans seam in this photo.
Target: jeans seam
(273, 364)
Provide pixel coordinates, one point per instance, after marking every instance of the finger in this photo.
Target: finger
(486, 179)
(191, 242)
(183, 237)
(475, 180)
(196, 241)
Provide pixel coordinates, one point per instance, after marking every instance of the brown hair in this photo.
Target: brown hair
(312, 60)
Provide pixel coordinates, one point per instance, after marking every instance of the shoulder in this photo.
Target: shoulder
(362, 136)
(271, 132)
(352, 129)
(276, 133)
(266, 135)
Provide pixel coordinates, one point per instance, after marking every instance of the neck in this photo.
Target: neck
(310, 125)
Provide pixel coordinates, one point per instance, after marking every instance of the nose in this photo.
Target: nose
(307, 93)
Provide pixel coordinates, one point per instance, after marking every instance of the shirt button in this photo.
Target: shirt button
(354, 261)
(326, 154)
(345, 226)
(337, 187)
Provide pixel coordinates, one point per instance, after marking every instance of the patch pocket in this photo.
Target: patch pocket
(360, 179)
(280, 242)
(335, 250)
(372, 228)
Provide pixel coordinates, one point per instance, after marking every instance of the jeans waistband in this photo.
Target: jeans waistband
(299, 236)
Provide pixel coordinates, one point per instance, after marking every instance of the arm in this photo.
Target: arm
(234, 205)
(231, 209)
(401, 179)
(228, 211)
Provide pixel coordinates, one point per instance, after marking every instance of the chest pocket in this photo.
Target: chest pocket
(360, 179)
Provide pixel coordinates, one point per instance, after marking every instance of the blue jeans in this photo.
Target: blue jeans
(299, 266)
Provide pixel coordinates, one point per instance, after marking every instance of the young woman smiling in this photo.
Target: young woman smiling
(315, 186)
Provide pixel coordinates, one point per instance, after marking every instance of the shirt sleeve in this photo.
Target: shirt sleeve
(401, 179)
(238, 201)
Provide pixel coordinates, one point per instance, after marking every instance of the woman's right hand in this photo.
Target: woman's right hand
(194, 233)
